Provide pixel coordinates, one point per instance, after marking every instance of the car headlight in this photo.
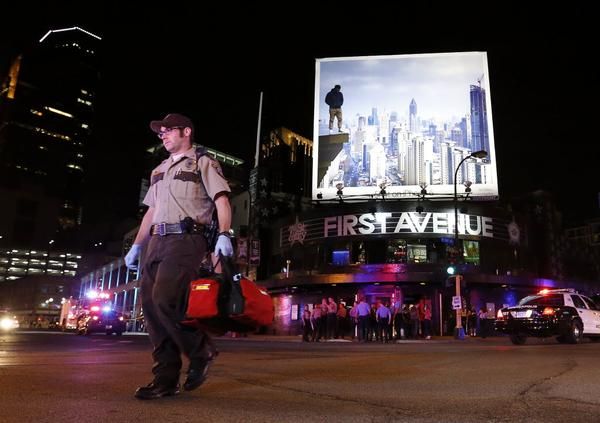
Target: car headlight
(7, 323)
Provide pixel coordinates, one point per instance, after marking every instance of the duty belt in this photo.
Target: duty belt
(163, 229)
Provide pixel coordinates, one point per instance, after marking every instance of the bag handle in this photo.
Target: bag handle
(229, 268)
(232, 276)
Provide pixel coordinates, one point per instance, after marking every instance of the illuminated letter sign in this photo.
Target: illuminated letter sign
(409, 223)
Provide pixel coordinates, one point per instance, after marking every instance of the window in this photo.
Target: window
(471, 252)
(591, 304)
(417, 253)
(578, 302)
(396, 251)
(361, 254)
(341, 257)
(548, 300)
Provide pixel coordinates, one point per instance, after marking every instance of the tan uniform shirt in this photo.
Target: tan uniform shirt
(176, 190)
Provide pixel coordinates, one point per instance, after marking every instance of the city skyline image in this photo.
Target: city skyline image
(407, 122)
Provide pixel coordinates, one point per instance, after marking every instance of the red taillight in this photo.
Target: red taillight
(548, 311)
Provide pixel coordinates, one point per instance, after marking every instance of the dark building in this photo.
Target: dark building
(581, 250)
(388, 252)
(35, 300)
(279, 185)
(289, 158)
(46, 125)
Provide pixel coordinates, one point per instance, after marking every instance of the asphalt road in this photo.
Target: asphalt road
(54, 377)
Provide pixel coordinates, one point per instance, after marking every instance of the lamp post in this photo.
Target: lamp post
(459, 332)
(48, 255)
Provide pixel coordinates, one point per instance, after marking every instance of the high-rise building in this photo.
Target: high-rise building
(46, 121)
(413, 125)
(479, 127)
(466, 132)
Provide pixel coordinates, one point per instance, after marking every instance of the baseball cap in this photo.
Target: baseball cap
(171, 120)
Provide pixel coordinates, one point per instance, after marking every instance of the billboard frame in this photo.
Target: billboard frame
(370, 84)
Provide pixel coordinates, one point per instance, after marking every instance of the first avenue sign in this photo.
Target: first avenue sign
(386, 223)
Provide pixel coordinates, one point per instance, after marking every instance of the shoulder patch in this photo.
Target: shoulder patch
(156, 176)
(217, 166)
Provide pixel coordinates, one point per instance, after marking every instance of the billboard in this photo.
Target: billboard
(400, 127)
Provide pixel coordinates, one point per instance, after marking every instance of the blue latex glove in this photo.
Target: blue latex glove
(132, 257)
(223, 246)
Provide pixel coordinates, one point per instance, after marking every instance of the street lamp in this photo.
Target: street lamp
(48, 255)
(459, 332)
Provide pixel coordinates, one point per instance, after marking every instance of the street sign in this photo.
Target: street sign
(242, 250)
(456, 302)
(255, 252)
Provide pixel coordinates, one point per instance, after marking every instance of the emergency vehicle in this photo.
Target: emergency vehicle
(68, 314)
(93, 313)
(563, 313)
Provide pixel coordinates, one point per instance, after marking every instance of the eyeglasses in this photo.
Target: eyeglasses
(167, 131)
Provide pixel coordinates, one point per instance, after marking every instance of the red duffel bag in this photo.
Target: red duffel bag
(227, 302)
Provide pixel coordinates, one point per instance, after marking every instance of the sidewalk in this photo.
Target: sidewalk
(293, 338)
(298, 339)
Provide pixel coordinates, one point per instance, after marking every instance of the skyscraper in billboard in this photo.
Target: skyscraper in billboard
(479, 126)
(413, 125)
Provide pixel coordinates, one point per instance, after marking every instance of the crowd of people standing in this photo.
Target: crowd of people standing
(378, 322)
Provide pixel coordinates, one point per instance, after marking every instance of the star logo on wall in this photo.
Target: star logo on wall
(297, 232)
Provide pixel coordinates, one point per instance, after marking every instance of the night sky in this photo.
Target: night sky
(544, 88)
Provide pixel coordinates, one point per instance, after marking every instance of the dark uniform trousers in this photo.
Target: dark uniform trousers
(170, 264)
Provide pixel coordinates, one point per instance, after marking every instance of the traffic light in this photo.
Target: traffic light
(452, 275)
(451, 271)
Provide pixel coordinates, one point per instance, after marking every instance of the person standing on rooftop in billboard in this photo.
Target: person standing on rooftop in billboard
(334, 100)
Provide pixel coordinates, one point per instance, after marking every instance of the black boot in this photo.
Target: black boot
(196, 374)
(154, 390)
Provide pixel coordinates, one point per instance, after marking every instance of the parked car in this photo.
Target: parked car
(107, 321)
(563, 313)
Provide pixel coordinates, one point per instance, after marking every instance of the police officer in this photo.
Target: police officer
(184, 191)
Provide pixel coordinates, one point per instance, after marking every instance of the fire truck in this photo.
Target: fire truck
(92, 313)
(68, 314)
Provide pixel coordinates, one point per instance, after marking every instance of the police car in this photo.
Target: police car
(563, 313)
(100, 320)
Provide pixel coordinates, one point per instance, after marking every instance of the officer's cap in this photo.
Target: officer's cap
(172, 120)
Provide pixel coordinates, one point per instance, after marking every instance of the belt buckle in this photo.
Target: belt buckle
(162, 229)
